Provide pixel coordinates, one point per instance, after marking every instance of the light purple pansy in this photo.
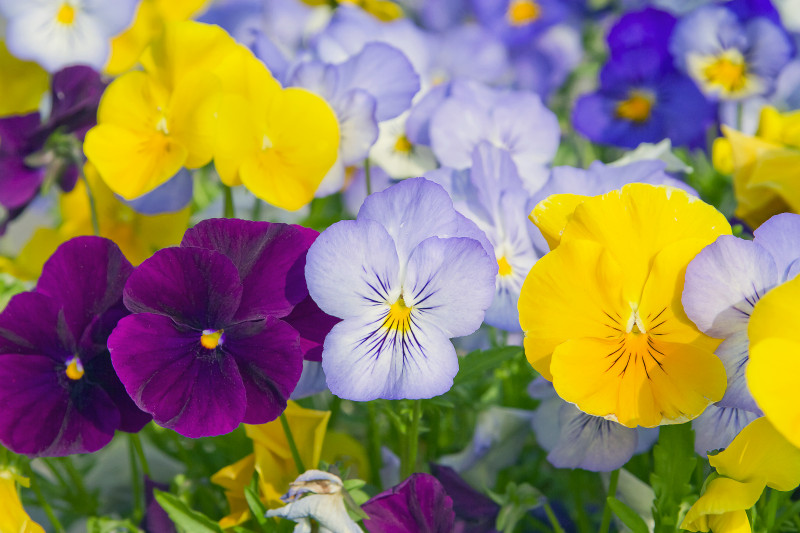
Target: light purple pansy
(418, 504)
(60, 394)
(724, 282)
(411, 273)
(212, 342)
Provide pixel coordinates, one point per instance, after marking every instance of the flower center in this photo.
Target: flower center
(403, 145)
(728, 71)
(523, 12)
(504, 268)
(266, 142)
(399, 316)
(66, 14)
(637, 107)
(162, 126)
(211, 338)
(74, 369)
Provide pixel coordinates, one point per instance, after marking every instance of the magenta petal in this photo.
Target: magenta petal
(313, 325)
(270, 363)
(418, 504)
(187, 388)
(270, 259)
(32, 323)
(195, 287)
(86, 276)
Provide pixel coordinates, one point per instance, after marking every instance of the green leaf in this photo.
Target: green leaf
(257, 508)
(674, 463)
(628, 516)
(352, 484)
(184, 517)
(97, 524)
(476, 364)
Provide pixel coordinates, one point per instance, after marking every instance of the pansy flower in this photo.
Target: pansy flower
(54, 362)
(419, 503)
(210, 344)
(60, 33)
(517, 21)
(411, 274)
(602, 313)
(12, 515)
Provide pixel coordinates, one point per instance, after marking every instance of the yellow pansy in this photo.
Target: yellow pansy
(151, 16)
(764, 166)
(774, 332)
(279, 143)
(151, 123)
(758, 457)
(602, 311)
(13, 518)
(22, 84)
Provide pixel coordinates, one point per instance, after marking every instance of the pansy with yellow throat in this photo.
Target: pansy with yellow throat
(602, 311)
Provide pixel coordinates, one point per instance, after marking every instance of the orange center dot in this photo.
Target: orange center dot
(403, 145)
(637, 107)
(504, 268)
(74, 369)
(522, 12)
(211, 338)
(66, 14)
(730, 74)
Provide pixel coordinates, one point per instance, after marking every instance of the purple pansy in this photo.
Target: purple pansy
(60, 394)
(411, 273)
(418, 504)
(723, 283)
(518, 21)
(474, 512)
(219, 326)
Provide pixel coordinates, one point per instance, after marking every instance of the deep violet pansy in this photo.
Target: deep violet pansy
(60, 394)
(220, 326)
(419, 504)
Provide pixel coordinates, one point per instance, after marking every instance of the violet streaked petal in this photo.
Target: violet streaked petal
(734, 355)
(33, 323)
(196, 287)
(313, 325)
(780, 235)
(86, 276)
(451, 282)
(717, 427)
(167, 372)
(269, 363)
(418, 504)
(268, 256)
(476, 509)
(367, 270)
(723, 283)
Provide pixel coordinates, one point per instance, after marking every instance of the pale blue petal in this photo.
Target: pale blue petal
(356, 192)
(362, 256)
(707, 31)
(112, 17)
(312, 381)
(451, 283)
(455, 129)
(780, 235)
(168, 197)
(357, 125)
(717, 426)
(734, 353)
(723, 283)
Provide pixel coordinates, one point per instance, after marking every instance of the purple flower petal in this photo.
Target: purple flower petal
(418, 504)
(313, 325)
(717, 427)
(156, 519)
(475, 512)
(76, 95)
(734, 353)
(193, 390)
(269, 258)
(780, 235)
(86, 276)
(196, 287)
(270, 364)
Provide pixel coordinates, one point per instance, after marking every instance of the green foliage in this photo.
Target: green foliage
(108, 525)
(515, 504)
(185, 518)
(628, 516)
(674, 464)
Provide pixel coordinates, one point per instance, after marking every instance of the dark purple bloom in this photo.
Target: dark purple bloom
(212, 342)
(60, 394)
(475, 512)
(156, 519)
(648, 30)
(418, 504)
(18, 139)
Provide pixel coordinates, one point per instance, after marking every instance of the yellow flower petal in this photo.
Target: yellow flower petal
(722, 507)
(193, 116)
(22, 85)
(234, 478)
(772, 380)
(552, 214)
(776, 314)
(342, 448)
(13, 518)
(32, 257)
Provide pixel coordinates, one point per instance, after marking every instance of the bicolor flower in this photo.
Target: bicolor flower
(727, 57)
(774, 340)
(726, 280)
(419, 503)
(61, 33)
(758, 457)
(210, 344)
(396, 154)
(316, 495)
(762, 166)
(411, 274)
(602, 314)
(53, 356)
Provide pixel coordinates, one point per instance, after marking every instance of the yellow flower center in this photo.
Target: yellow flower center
(266, 142)
(523, 12)
(399, 316)
(74, 369)
(66, 14)
(728, 71)
(637, 107)
(162, 125)
(403, 145)
(211, 338)
(504, 268)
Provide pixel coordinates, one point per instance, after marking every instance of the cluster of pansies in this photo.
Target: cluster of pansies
(399, 266)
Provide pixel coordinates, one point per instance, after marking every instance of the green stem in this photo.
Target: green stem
(552, 517)
(292, 446)
(373, 443)
(335, 408)
(55, 471)
(43, 503)
(576, 485)
(412, 438)
(92, 205)
(136, 442)
(612, 493)
(229, 210)
(136, 482)
(76, 478)
(368, 176)
(256, 213)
